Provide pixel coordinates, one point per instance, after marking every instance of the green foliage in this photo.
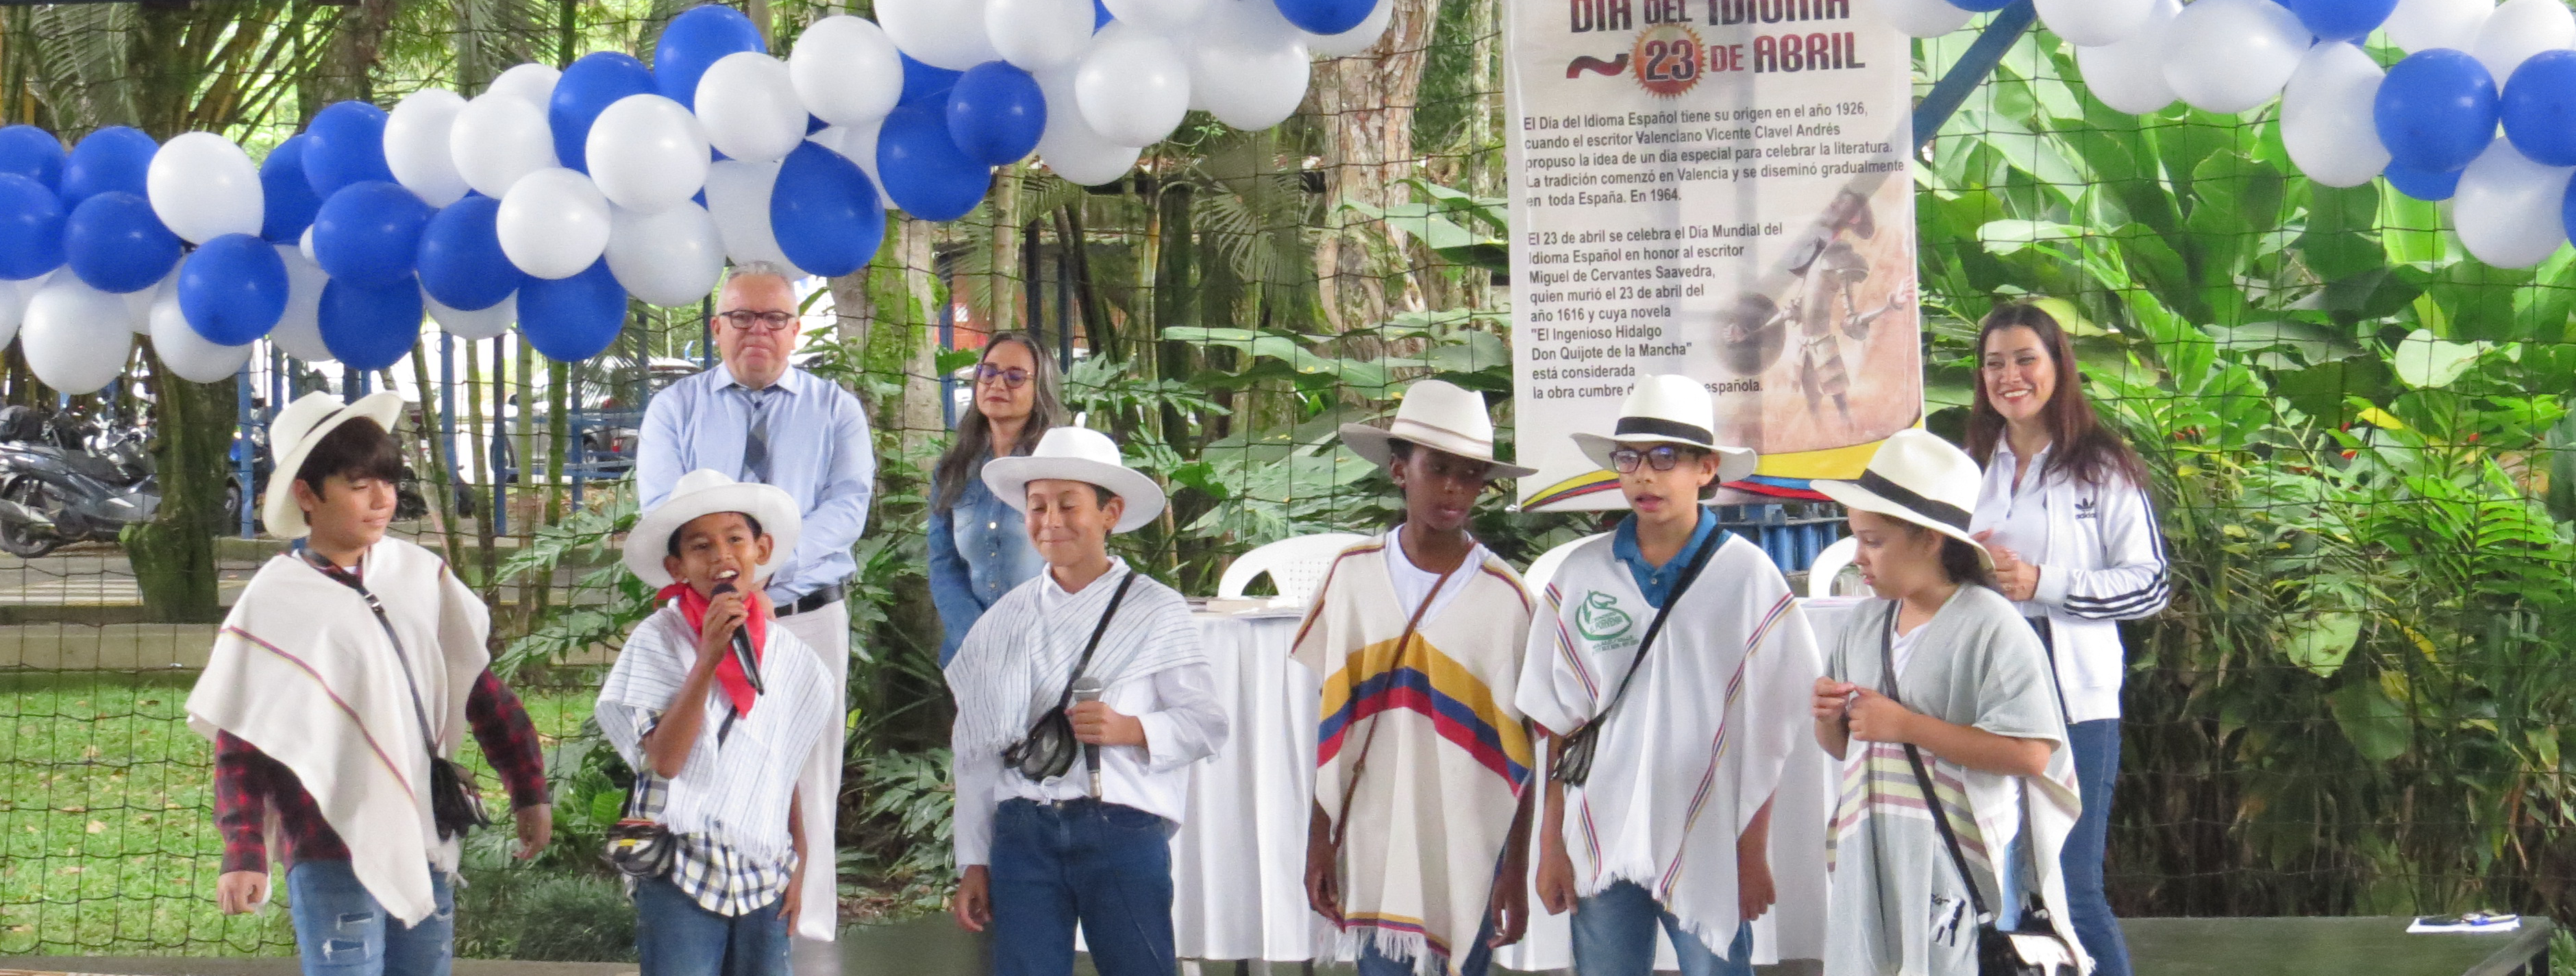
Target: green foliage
(906, 842)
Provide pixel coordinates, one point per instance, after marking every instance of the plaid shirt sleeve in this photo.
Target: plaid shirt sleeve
(241, 802)
(509, 740)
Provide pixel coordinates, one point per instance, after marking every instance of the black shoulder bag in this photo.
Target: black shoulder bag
(1574, 764)
(2023, 951)
(454, 804)
(1048, 751)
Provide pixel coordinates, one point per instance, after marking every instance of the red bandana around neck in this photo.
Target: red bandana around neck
(737, 686)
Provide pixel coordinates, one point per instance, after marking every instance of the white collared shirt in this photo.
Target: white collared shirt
(1413, 583)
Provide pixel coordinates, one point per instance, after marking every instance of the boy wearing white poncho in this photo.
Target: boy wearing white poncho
(1692, 719)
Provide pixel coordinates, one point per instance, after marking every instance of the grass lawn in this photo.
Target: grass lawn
(107, 836)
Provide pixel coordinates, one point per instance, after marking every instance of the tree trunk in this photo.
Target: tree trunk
(1365, 104)
(174, 554)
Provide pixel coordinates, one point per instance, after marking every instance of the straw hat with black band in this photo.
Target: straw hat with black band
(1440, 416)
(292, 437)
(1920, 478)
(1077, 454)
(1670, 409)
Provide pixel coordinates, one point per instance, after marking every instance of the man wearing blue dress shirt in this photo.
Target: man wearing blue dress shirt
(760, 419)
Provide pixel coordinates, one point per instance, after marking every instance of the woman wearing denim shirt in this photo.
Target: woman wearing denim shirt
(979, 546)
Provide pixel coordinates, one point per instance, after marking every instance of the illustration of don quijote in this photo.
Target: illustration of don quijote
(1754, 332)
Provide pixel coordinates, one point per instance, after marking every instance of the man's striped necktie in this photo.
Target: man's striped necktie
(755, 447)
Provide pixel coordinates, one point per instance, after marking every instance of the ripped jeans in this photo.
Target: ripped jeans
(340, 930)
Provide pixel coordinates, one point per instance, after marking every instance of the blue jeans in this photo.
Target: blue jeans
(675, 936)
(2097, 768)
(340, 930)
(1614, 935)
(1480, 955)
(1103, 866)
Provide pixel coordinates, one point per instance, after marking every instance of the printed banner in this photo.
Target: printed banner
(1716, 188)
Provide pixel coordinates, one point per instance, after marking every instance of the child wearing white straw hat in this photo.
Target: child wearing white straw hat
(1666, 671)
(1957, 789)
(1083, 698)
(715, 705)
(1417, 639)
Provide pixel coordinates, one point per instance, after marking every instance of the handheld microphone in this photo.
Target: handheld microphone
(742, 645)
(1088, 689)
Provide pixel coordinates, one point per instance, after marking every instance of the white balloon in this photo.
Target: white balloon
(14, 296)
(858, 144)
(1039, 35)
(2519, 29)
(1357, 40)
(188, 355)
(647, 153)
(304, 245)
(299, 331)
(76, 338)
(498, 138)
(1166, 17)
(1920, 18)
(668, 258)
(939, 33)
(554, 224)
(203, 187)
(417, 149)
(738, 199)
(2326, 120)
(1069, 147)
(846, 70)
(748, 104)
(1133, 87)
(2130, 76)
(2421, 25)
(2094, 23)
(481, 323)
(2507, 207)
(2227, 56)
(533, 83)
(1248, 65)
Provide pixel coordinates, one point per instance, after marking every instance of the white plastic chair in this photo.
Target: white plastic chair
(1829, 564)
(1544, 567)
(1296, 566)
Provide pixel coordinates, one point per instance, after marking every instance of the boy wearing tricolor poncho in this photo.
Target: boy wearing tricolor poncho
(1676, 648)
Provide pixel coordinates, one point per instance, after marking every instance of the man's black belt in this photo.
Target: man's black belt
(816, 600)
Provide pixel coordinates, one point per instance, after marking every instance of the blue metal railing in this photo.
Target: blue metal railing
(1791, 533)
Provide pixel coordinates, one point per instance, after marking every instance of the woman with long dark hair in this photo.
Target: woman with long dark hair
(2065, 512)
(979, 546)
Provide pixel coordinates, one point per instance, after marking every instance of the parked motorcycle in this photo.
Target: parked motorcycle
(65, 479)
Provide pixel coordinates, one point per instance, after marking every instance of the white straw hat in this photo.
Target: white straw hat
(1918, 477)
(705, 492)
(1440, 416)
(1077, 454)
(293, 435)
(1670, 409)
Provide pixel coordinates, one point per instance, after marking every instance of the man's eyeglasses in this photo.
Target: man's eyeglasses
(1625, 459)
(1012, 378)
(747, 320)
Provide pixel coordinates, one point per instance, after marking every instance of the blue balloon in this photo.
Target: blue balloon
(33, 153)
(461, 263)
(344, 145)
(1099, 16)
(574, 318)
(113, 158)
(1337, 16)
(31, 228)
(2420, 184)
(995, 114)
(588, 88)
(287, 199)
(924, 171)
(368, 234)
(2539, 108)
(923, 83)
(233, 289)
(370, 327)
(815, 123)
(698, 37)
(825, 212)
(2436, 110)
(2340, 20)
(113, 241)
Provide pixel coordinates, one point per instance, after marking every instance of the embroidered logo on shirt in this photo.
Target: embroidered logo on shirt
(1599, 618)
(2088, 508)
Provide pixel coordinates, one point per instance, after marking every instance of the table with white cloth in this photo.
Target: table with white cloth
(1239, 861)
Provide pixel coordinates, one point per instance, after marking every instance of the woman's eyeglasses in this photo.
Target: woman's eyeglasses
(1012, 378)
(747, 320)
(1625, 459)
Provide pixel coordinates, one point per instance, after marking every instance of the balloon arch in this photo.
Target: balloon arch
(553, 196)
